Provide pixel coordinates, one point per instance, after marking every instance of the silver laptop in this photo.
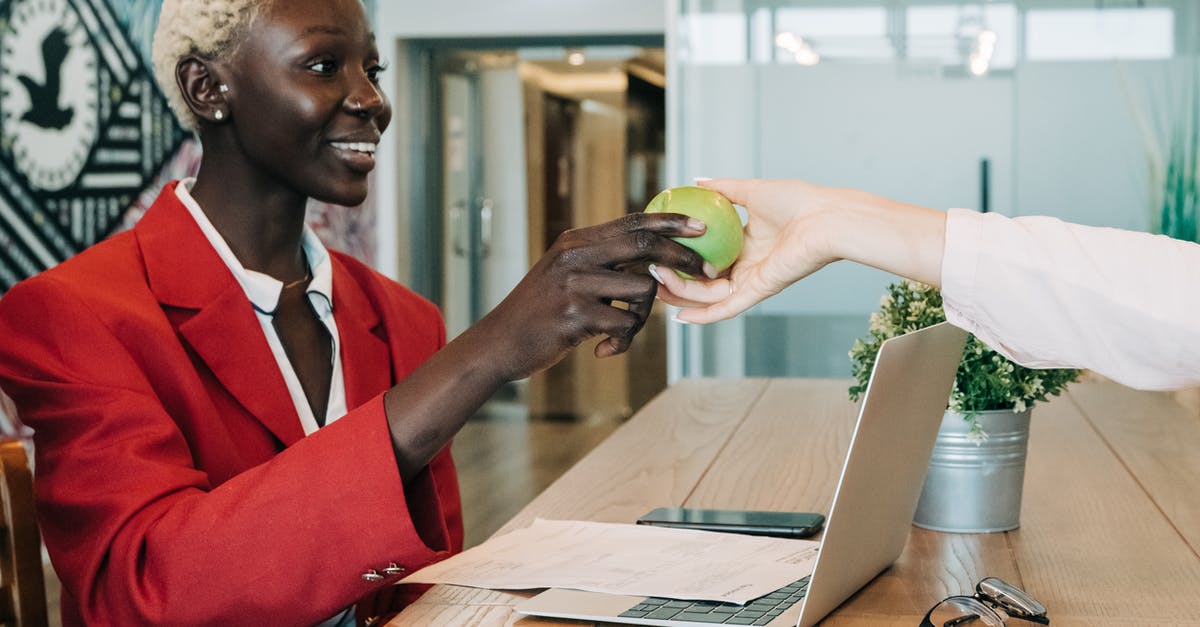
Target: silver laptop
(872, 509)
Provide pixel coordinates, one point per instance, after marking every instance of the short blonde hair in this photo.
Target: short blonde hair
(208, 29)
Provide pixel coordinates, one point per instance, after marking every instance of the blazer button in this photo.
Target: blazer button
(393, 569)
(372, 576)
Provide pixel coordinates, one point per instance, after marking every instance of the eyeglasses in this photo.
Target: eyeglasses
(979, 610)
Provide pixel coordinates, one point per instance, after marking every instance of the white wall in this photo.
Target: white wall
(509, 18)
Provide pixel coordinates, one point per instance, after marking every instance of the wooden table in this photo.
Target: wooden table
(1110, 524)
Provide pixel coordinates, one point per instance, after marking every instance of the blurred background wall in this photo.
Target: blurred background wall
(1065, 108)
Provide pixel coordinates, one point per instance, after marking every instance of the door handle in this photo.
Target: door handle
(485, 227)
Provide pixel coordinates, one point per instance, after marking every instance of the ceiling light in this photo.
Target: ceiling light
(978, 65)
(807, 56)
(788, 41)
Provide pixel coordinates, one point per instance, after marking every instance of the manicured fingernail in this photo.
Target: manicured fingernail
(699, 179)
(654, 273)
(696, 225)
(710, 271)
(676, 319)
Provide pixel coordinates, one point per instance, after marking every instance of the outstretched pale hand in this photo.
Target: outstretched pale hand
(796, 228)
(783, 245)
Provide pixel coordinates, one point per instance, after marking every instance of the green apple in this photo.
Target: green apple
(721, 243)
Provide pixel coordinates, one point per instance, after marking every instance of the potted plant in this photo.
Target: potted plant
(978, 466)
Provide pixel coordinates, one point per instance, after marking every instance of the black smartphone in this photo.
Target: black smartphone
(777, 524)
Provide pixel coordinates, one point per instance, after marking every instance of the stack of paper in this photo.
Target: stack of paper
(629, 559)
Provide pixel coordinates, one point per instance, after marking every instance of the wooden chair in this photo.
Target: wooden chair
(22, 587)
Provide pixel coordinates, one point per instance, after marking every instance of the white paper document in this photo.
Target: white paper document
(628, 559)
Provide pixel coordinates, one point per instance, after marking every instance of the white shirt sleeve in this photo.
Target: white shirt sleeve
(1047, 294)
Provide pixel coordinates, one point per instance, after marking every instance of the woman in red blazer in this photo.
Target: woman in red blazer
(175, 480)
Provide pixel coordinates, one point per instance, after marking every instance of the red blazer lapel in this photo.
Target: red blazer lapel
(366, 363)
(185, 273)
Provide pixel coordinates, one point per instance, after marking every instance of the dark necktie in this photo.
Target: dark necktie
(307, 344)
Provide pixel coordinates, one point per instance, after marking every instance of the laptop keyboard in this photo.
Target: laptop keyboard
(760, 611)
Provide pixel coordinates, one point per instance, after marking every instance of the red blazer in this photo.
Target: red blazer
(174, 481)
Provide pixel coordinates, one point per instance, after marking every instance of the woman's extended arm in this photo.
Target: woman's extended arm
(1044, 292)
(565, 299)
(796, 228)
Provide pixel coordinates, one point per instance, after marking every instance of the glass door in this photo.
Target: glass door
(484, 209)
(462, 207)
(523, 143)
(1021, 107)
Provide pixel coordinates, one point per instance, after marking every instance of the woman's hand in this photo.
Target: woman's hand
(784, 243)
(568, 296)
(796, 228)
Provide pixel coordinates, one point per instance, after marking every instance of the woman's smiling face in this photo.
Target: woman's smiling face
(304, 98)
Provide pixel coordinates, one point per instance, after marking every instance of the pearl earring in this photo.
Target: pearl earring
(218, 114)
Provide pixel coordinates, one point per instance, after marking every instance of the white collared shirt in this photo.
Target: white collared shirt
(264, 291)
(1049, 294)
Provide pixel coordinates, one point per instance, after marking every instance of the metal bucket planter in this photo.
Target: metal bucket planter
(973, 488)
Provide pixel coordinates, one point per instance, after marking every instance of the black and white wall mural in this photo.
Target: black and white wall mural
(83, 130)
(86, 137)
